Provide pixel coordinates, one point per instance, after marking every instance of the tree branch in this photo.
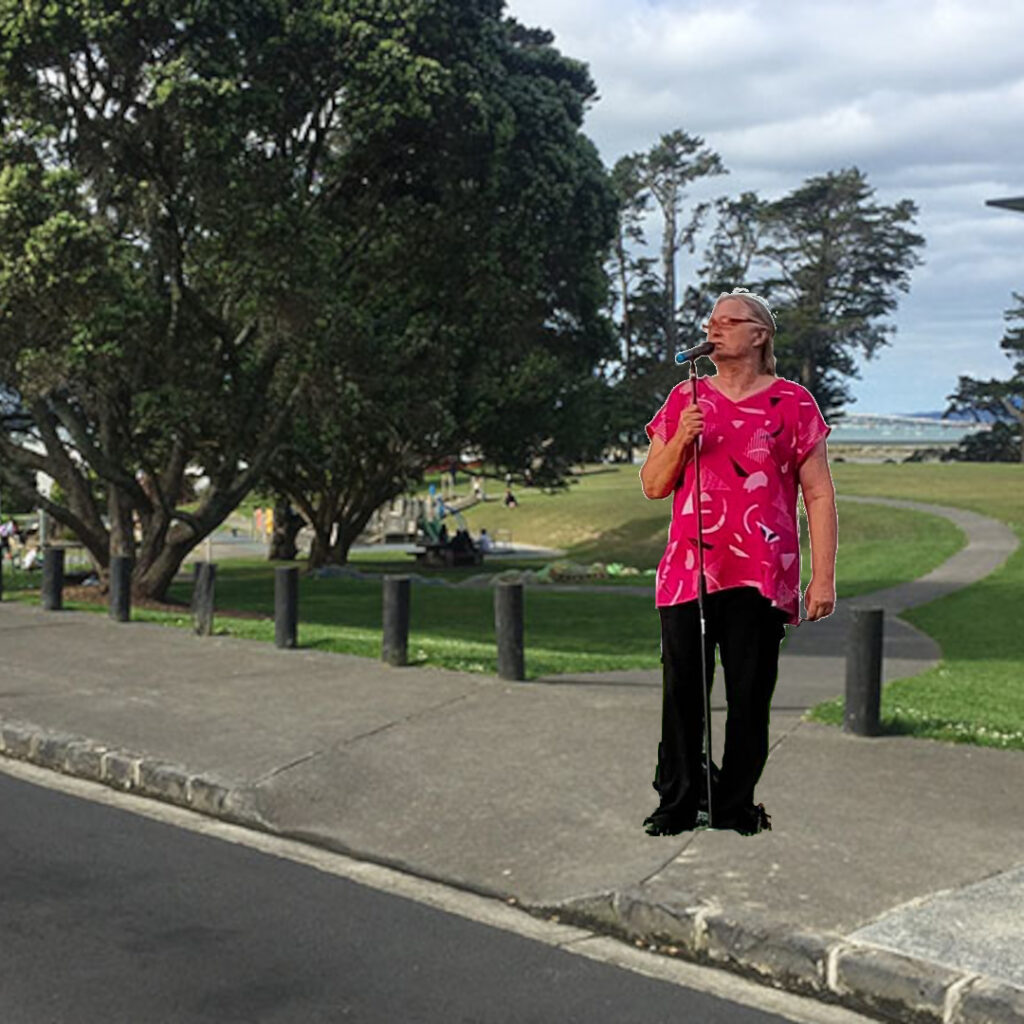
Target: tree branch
(93, 455)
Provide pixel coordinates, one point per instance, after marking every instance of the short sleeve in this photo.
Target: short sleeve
(811, 426)
(666, 419)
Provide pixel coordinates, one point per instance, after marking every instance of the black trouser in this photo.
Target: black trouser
(747, 629)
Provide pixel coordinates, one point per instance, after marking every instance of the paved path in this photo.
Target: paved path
(871, 888)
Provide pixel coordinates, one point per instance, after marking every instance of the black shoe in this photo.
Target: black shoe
(666, 825)
(748, 822)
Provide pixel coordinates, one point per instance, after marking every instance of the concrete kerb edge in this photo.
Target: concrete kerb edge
(825, 966)
(125, 770)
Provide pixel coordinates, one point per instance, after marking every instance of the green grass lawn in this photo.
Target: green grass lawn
(975, 694)
(453, 626)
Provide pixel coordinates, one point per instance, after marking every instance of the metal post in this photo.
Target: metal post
(121, 588)
(53, 579)
(286, 605)
(508, 627)
(701, 594)
(394, 647)
(864, 673)
(202, 597)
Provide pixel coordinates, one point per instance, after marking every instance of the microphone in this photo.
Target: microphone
(705, 348)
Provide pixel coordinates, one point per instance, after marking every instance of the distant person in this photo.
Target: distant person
(7, 531)
(484, 542)
(510, 499)
(478, 489)
(760, 437)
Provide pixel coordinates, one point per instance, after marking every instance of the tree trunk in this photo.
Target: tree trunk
(627, 326)
(154, 580)
(347, 534)
(122, 532)
(287, 524)
(169, 539)
(668, 259)
(320, 549)
(320, 510)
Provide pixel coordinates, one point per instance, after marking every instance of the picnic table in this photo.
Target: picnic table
(437, 553)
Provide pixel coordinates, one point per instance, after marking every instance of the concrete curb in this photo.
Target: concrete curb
(122, 769)
(825, 966)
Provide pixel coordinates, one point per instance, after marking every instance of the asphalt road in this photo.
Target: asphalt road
(109, 916)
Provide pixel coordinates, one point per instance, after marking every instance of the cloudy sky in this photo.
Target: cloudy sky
(924, 96)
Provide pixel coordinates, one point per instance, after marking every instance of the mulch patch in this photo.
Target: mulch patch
(97, 595)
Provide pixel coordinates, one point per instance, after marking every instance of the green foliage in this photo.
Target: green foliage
(150, 181)
(210, 210)
(1002, 443)
(1000, 401)
(472, 318)
(830, 261)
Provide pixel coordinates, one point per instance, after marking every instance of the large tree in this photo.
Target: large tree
(831, 261)
(177, 178)
(665, 170)
(475, 320)
(1001, 402)
(655, 314)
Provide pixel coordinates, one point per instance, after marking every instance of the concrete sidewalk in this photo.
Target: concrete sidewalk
(893, 879)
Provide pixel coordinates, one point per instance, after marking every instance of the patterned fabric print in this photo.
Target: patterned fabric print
(750, 457)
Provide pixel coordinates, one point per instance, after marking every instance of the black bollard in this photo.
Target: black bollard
(394, 648)
(864, 673)
(508, 626)
(202, 597)
(52, 595)
(121, 588)
(286, 605)
(196, 569)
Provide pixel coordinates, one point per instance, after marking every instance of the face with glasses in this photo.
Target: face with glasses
(731, 325)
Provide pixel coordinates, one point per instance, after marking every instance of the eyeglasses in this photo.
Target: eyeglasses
(727, 323)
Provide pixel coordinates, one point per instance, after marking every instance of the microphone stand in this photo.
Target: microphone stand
(701, 590)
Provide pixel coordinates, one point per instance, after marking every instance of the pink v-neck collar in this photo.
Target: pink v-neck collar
(746, 398)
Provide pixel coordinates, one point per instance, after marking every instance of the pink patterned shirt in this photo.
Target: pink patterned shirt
(750, 454)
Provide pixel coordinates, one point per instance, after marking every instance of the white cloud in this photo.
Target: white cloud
(925, 96)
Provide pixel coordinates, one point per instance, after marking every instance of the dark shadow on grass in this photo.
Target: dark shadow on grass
(644, 534)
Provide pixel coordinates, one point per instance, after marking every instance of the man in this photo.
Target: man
(760, 437)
